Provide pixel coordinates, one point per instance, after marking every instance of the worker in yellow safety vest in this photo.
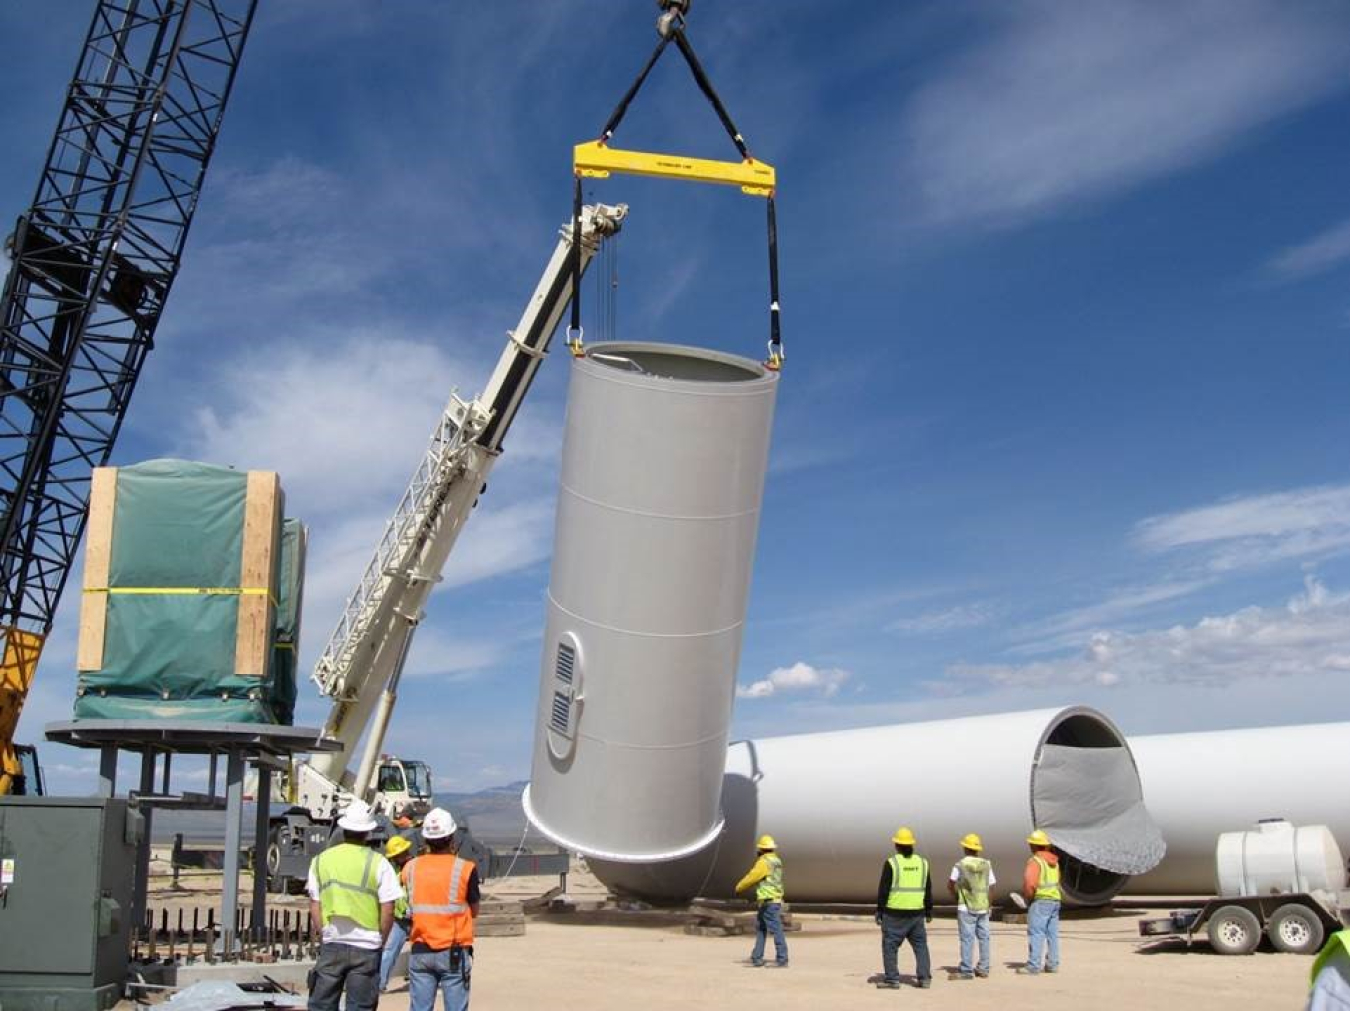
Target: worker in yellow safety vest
(1040, 886)
(444, 896)
(904, 908)
(352, 890)
(969, 883)
(1331, 975)
(766, 878)
(398, 851)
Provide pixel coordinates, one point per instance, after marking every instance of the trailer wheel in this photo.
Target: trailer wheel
(1296, 929)
(1233, 931)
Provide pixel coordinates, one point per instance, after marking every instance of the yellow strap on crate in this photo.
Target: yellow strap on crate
(184, 591)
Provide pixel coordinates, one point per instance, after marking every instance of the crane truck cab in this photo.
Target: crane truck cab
(402, 783)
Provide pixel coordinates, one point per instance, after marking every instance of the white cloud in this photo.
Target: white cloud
(1068, 627)
(502, 540)
(951, 619)
(1071, 101)
(800, 677)
(437, 654)
(1257, 529)
(1318, 254)
(286, 192)
(1309, 635)
(344, 421)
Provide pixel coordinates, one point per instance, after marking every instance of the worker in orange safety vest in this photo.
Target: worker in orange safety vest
(443, 897)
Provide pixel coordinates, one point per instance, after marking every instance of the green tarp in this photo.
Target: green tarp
(179, 525)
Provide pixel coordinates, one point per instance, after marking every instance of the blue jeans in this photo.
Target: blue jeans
(972, 927)
(397, 935)
(1042, 927)
(429, 971)
(896, 929)
(769, 920)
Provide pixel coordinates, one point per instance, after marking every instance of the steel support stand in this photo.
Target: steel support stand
(107, 770)
(261, 824)
(234, 812)
(139, 893)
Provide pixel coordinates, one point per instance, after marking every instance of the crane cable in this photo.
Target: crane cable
(776, 354)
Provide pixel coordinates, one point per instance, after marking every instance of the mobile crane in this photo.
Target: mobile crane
(363, 661)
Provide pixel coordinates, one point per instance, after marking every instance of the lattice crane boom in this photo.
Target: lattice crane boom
(93, 260)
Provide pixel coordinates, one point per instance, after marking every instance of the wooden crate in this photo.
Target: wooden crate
(257, 591)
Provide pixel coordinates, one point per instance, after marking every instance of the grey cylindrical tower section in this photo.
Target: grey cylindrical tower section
(662, 474)
(832, 800)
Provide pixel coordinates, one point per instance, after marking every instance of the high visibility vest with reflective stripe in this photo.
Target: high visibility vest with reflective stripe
(1339, 941)
(972, 883)
(770, 889)
(348, 879)
(438, 898)
(1047, 885)
(908, 877)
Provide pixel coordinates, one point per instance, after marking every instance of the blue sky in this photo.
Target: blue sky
(1065, 304)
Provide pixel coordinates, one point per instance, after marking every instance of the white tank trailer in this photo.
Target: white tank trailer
(833, 800)
(1199, 786)
(1277, 858)
(664, 455)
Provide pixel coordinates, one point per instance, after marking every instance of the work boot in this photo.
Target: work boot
(888, 984)
(982, 973)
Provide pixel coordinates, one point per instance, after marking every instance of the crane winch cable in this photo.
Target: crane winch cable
(597, 159)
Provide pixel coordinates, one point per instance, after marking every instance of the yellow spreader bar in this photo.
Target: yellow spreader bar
(595, 160)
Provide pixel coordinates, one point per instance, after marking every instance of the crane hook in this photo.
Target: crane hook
(673, 13)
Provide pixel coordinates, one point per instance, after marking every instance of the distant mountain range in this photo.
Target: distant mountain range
(494, 815)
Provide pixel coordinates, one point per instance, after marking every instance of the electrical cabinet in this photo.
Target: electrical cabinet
(66, 869)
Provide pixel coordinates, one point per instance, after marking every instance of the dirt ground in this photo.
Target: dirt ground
(603, 968)
(566, 965)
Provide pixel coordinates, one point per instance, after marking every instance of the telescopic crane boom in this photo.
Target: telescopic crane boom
(361, 665)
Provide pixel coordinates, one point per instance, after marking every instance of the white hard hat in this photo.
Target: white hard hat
(357, 818)
(438, 824)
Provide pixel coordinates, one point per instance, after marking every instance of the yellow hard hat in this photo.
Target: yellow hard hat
(766, 843)
(395, 846)
(1038, 838)
(903, 837)
(972, 842)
